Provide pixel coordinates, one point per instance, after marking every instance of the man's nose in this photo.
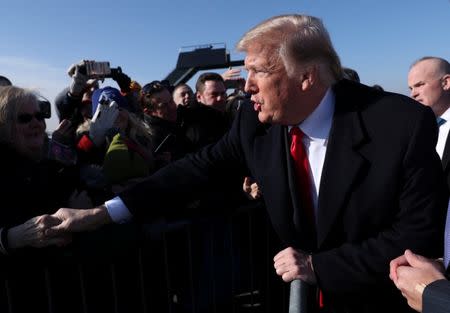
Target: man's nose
(250, 86)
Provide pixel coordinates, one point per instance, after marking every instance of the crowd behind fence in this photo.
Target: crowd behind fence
(220, 263)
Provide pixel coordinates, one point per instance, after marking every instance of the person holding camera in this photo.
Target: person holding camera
(74, 103)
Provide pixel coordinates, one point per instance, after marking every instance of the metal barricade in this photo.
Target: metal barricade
(220, 263)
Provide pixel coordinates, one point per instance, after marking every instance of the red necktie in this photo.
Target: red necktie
(303, 173)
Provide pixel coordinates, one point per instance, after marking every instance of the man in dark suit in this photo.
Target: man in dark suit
(374, 181)
(429, 82)
(422, 280)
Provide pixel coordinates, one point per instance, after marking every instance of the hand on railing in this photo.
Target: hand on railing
(295, 266)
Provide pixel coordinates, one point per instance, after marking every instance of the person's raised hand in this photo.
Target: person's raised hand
(79, 79)
(64, 133)
(103, 119)
(122, 79)
(232, 74)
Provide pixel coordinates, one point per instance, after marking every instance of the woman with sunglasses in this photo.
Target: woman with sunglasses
(31, 185)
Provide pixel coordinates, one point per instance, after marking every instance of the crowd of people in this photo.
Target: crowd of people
(108, 139)
(298, 124)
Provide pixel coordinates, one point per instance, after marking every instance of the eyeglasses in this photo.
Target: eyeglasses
(26, 118)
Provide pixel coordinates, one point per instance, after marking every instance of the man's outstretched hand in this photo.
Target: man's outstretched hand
(77, 220)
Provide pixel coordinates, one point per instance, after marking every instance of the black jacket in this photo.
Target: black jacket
(382, 191)
(167, 136)
(202, 125)
(29, 188)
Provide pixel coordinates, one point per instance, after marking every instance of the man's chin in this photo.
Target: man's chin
(264, 118)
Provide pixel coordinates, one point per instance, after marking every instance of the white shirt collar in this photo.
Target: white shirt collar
(318, 124)
(446, 116)
(443, 133)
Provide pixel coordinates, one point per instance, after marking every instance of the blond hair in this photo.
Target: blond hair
(298, 41)
(11, 101)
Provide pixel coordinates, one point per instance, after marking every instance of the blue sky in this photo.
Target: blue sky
(40, 39)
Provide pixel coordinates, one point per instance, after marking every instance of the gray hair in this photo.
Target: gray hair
(298, 41)
(11, 100)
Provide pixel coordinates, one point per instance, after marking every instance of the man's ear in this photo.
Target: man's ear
(308, 78)
(198, 96)
(445, 81)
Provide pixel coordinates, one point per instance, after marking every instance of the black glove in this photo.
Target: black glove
(122, 79)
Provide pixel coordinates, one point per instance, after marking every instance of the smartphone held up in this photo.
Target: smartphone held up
(100, 70)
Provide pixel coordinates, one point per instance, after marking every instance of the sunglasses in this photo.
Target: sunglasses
(26, 118)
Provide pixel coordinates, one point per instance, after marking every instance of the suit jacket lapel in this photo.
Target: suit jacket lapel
(446, 154)
(269, 151)
(344, 162)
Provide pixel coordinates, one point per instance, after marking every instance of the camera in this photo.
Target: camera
(98, 69)
(94, 69)
(45, 107)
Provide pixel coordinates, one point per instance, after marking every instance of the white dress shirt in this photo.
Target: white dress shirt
(440, 146)
(316, 128)
(443, 133)
(118, 211)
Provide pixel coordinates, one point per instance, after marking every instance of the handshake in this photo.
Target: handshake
(55, 229)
